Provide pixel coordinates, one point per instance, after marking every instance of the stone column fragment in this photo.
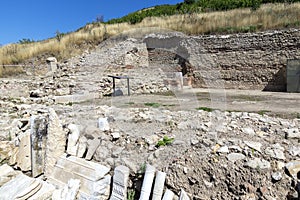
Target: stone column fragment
(120, 182)
(147, 183)
(169, 195)
(56, 142)
(38, 140)
(73, 138)
(183, 195)
(159, 185)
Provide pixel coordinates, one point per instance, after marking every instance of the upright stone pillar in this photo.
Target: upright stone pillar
(38, 140)
(73, 138)
(56, 142)
(169, 195)
(52, 64)
(159, 185)
(120, 181)
(183, 195)
(147, 183)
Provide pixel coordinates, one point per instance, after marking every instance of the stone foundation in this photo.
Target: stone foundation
(242, 61)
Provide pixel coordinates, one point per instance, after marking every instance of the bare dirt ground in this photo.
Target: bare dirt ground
(281, 104)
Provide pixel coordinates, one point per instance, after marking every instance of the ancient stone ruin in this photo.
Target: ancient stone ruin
(185, 131)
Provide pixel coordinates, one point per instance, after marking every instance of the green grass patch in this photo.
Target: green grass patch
(131, 194)
(169, 105)
(165, 141)
(247, 98)
(130, 103)
(262, 112)
(168, 93)
(230, 111)
(207, 109)
(152, 104)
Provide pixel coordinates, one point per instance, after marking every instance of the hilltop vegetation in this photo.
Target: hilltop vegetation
(193, 6)
(191, 17)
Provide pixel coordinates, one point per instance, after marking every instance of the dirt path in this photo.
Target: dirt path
(286, 105)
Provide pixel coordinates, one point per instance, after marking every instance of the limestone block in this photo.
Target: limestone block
(103, 124)
(159, 185)
(7, 173)
(183, 195)
(102, 187)
(120, 182)
(56, 142)
(6, 148)
(147, 182)
(168, 195)
(45, 192)
(93, 176)
(73, 139)
(69, 192)
(21, 155)
(52, 61)
(92, 147)
(24, 187)
(82, 145)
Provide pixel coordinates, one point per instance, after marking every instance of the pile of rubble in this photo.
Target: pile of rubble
(241, 155)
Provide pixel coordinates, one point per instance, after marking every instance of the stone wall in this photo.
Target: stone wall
(244, 61)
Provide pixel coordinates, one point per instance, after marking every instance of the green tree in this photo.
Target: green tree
(189, 1)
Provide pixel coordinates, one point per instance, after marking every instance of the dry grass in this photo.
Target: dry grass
(10, 71)
(269, 16)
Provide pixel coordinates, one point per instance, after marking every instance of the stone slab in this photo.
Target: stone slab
(120, 182)
(93, 176)
(24, 187)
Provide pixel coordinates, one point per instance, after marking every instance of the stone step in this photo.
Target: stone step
(93, 177)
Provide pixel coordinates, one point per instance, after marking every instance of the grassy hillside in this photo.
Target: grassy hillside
(63, 46)
(193, 6)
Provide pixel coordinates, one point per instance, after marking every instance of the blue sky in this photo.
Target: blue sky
(40, 19)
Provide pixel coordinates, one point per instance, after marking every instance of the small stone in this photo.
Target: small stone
(115, 135)
(275, 153)
(294, 151)
(280, 165)
(152, 139)
(293, 133)
(185, 170)
(116, 151)
(208, 184)
(279, 154)
(233, 157)
(254, 145)
(103, 124)
(258, 163)
(248, 131)
(263, 190)
(293, 167)
(223, 149)
(194, 141)
(156, 153)
(130, 164)
(277, 176)
(235, 148)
